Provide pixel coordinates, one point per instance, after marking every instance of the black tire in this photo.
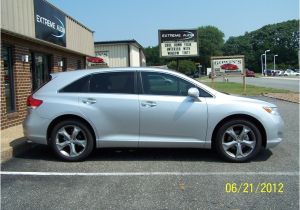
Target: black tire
(250, 146)
(82, 143)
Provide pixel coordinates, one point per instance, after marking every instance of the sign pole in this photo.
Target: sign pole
(244, 76)
(244, 83)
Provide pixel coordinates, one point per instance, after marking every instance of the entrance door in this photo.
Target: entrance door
(40, 69)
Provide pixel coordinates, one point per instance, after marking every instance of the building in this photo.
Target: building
(36, 39)
(124, 53)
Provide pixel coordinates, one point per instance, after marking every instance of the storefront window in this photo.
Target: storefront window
(78, 64)
(8, 79)
(40, 70)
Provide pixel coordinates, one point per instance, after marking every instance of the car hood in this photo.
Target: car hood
(245, 100)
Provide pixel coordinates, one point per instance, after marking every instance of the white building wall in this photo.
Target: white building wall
(78, 38)
(134, 56)
(117, 54)
(18, 16)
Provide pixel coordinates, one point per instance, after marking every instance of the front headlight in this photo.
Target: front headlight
(271, 110)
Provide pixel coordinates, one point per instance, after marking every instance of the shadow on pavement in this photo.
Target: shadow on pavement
(43, 152)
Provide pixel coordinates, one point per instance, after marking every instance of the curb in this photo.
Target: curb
(282, 99)
(17, 147)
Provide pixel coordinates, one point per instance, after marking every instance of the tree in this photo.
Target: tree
(185, 66)
(281, 38)
(153, 58)
(211, 41)
(240, 45)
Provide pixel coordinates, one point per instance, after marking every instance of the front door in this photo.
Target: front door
(168, 116)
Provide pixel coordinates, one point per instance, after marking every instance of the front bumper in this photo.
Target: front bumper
(274, 131)
(273, 143)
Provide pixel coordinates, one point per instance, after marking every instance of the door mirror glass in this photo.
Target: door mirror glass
(193, 92)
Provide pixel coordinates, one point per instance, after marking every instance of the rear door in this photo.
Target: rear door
(112, 105)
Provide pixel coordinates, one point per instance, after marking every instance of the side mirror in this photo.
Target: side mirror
(193, 92)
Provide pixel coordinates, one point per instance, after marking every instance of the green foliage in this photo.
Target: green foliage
(237, 88)
(185, 66)
(211, 41)
(152, 56)
(281, 38)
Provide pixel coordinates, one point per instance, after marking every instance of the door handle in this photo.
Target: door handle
(148, 104)
(88, 100)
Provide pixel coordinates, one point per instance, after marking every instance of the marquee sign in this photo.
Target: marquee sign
(50, 23)
(178, 43)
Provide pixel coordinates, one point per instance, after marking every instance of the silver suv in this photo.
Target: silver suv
(144, 107)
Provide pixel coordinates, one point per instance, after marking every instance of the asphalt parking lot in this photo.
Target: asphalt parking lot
(157, 178)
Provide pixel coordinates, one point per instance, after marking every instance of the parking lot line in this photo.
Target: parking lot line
(25, 173)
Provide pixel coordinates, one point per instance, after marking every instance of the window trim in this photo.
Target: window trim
(167, 73)
(135, 90)
(9, 49)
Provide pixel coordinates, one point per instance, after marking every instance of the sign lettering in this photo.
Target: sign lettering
(178, 43)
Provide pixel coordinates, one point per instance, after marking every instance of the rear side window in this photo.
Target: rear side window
(79, 86)
(114, 82)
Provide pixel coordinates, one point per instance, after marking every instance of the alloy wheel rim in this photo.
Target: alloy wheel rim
(238, 141)
(70, 140)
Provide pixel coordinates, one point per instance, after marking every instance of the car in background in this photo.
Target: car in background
(250, 73)
(78, 111)
(280, 73)
(267, 72)
(290, 72)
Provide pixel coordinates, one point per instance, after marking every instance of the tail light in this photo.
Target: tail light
(33, 102)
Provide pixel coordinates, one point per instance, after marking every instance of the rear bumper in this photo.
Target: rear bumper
(35, 128)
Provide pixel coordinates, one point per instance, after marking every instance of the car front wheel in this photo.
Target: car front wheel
(72, 140)
(238, 140)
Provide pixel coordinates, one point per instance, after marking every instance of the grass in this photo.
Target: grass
(237, 88)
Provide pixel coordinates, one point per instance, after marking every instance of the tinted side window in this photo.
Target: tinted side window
(115, 82)
(164, 84)
(159, 84)
(79, 86)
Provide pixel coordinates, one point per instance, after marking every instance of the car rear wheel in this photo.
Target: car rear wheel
(72, 140)
(238, 140)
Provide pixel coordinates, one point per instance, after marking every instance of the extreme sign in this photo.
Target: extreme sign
(178, 43)
(50, 23)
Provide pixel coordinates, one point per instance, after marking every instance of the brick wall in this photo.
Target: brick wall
(22, 74)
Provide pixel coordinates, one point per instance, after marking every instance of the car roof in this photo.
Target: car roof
(89, 71)
(64, 78)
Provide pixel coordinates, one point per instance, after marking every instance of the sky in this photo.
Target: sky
(141, 19)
